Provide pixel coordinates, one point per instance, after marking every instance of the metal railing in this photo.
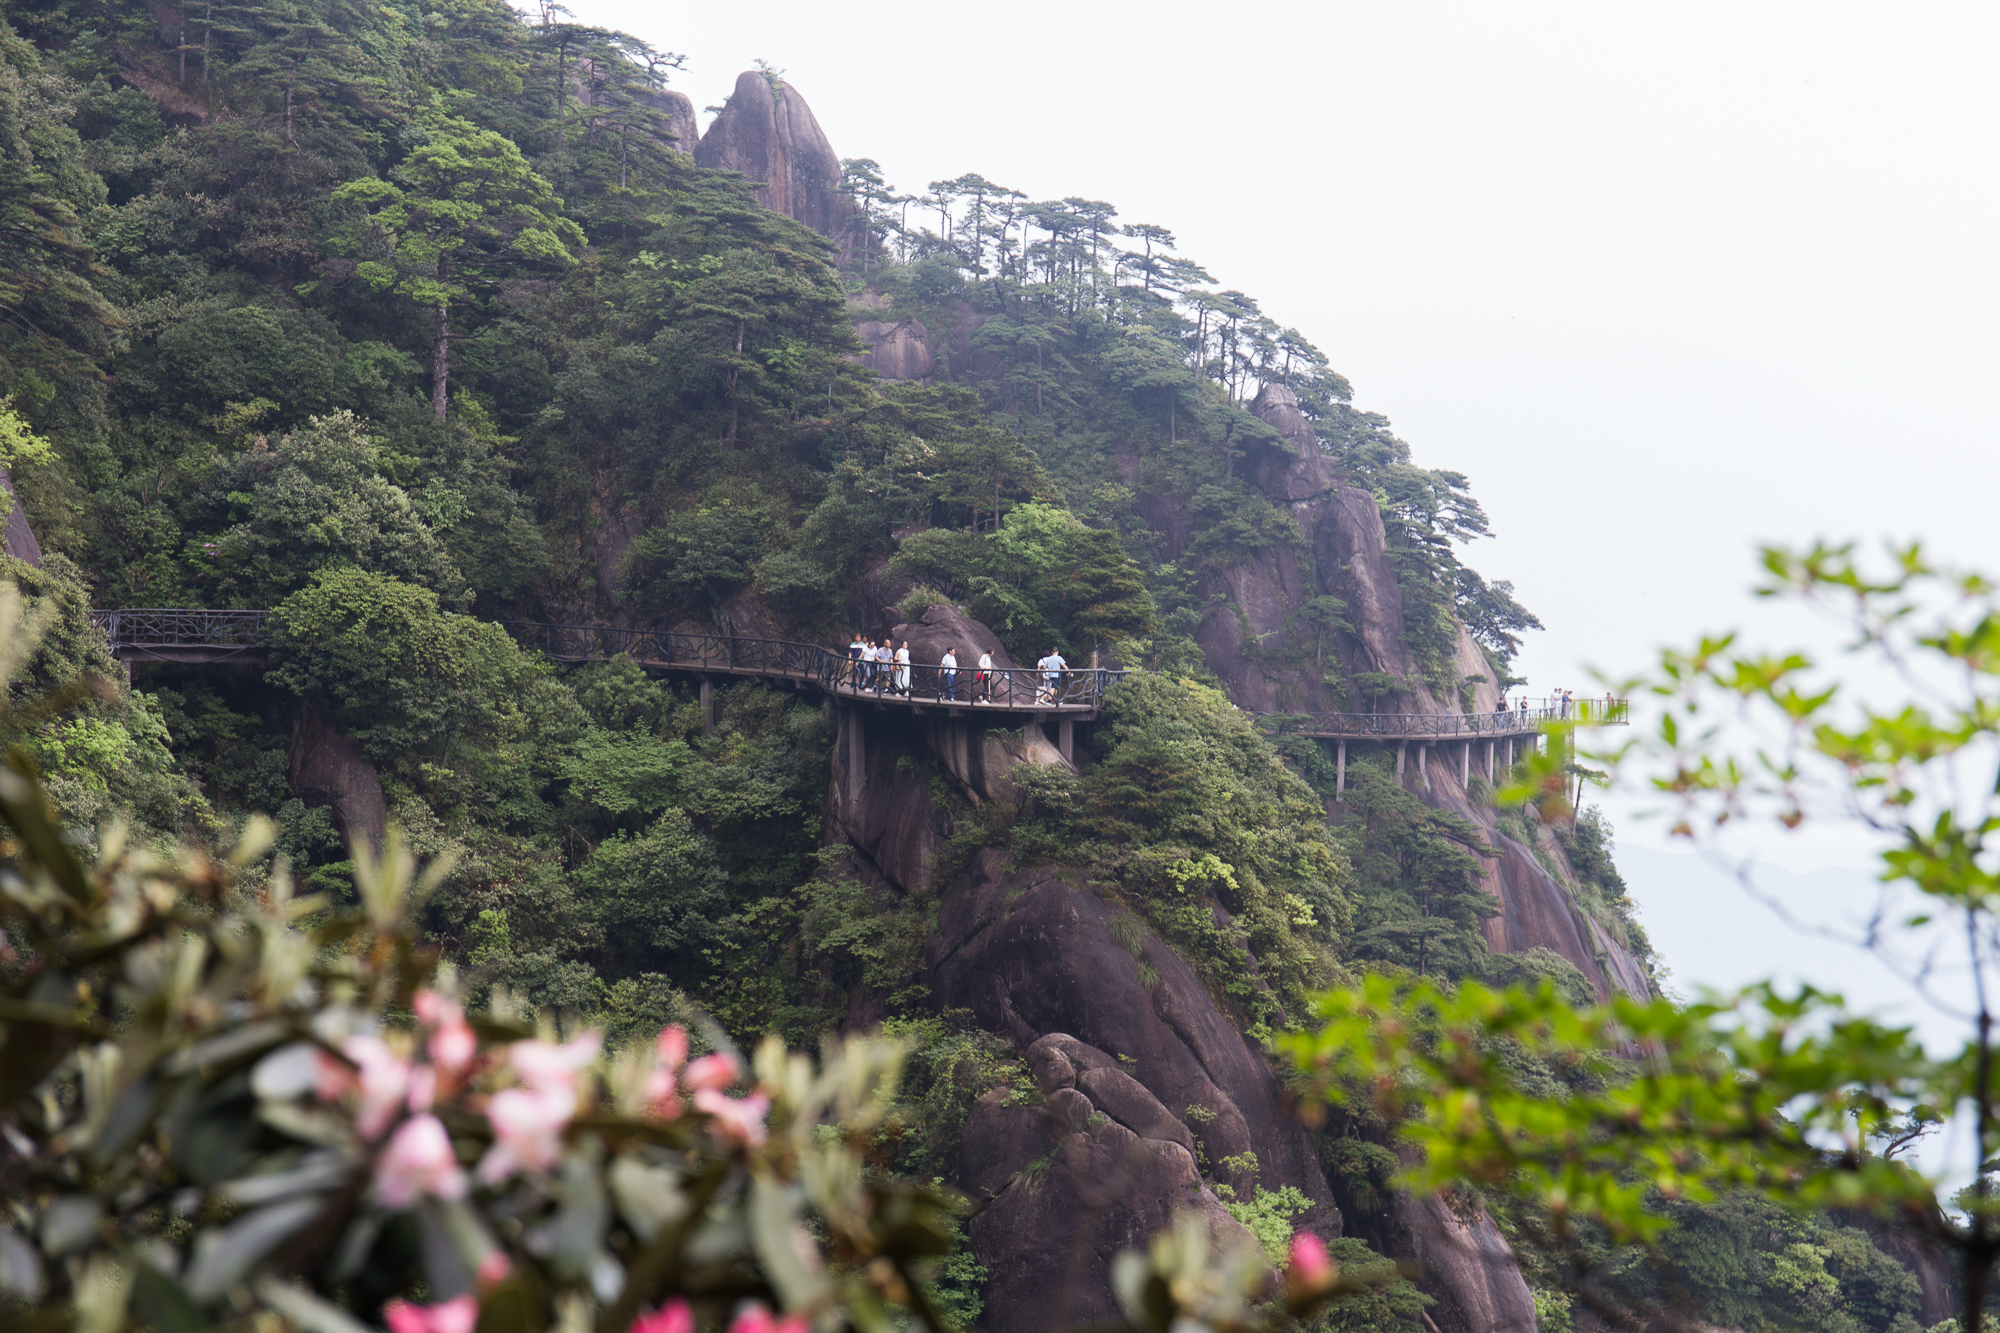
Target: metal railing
(169, 628)
(142, 630)
(1014, 688)
(1516, 721)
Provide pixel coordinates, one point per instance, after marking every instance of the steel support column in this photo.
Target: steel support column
(1340, 772)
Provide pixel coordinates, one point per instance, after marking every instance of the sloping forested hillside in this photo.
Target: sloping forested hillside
(401, 320)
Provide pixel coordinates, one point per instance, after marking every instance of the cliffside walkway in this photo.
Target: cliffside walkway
(1501, 729)
(195, 636)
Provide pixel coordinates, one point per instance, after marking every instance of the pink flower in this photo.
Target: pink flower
(527, 1131)
(1310, 1270)
(669, 1054)
(673, 1317)
(417, 1162)
(493, 1269)
(713, 1071)
(332, 1078)
(423, 1087)
(457, 1315)
(384, 1079)
(754, 1318)
(452, 1044)
(740, 1120)
(671, 1049)
(547, 1067)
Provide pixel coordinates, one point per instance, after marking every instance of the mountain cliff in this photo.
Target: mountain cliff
(726, 384)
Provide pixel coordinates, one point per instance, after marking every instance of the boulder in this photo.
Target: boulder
(944, 626)
(767, 132)
(677, 121)
(1068, 1184)
(1125, 1099)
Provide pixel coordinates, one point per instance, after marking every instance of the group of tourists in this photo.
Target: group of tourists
(881, 667)
(885, 669)
(1563, 704)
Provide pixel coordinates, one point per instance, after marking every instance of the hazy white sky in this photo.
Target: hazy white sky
(1664, 281)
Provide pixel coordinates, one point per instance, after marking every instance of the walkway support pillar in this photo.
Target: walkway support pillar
(1340, 772)
(1401, 748)
(1491, 775)
(1424, 764)
(1465, 764)
(707, 709)
(857, 758)
(1066, 739)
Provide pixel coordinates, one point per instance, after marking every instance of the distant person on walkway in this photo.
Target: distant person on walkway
(948, 675)
(885, 668)
(1052, 668)
(982, 679)
(1562, 703)
(903, 669)
(854, 651)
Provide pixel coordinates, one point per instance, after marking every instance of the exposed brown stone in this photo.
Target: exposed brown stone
(1467, 1260)
(21, 543)
(767, 132)
(328, 769)
(1071, 1183)
(1033, 954)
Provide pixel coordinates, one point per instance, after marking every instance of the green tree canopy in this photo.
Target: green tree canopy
(465, 205)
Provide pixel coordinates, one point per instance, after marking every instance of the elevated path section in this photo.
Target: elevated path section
(194, 636)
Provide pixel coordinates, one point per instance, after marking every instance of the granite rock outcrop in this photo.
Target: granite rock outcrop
(767, 132)
(328, 770)
(1115, 1025)
(1099, 1166)
(1145, 1081)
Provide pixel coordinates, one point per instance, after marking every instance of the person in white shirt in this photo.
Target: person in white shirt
(1052, 668)
(982, 680)
(884, 667)
(948, 675)
(855, 650)
(903, 669)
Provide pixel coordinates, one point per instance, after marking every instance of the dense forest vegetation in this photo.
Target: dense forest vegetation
(404, 319)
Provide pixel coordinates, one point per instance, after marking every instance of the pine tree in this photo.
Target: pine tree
(466, 205)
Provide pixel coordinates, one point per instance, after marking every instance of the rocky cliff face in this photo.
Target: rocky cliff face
(20, 539)
(1145, 1084)
(1252, 626)
(767, 132)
